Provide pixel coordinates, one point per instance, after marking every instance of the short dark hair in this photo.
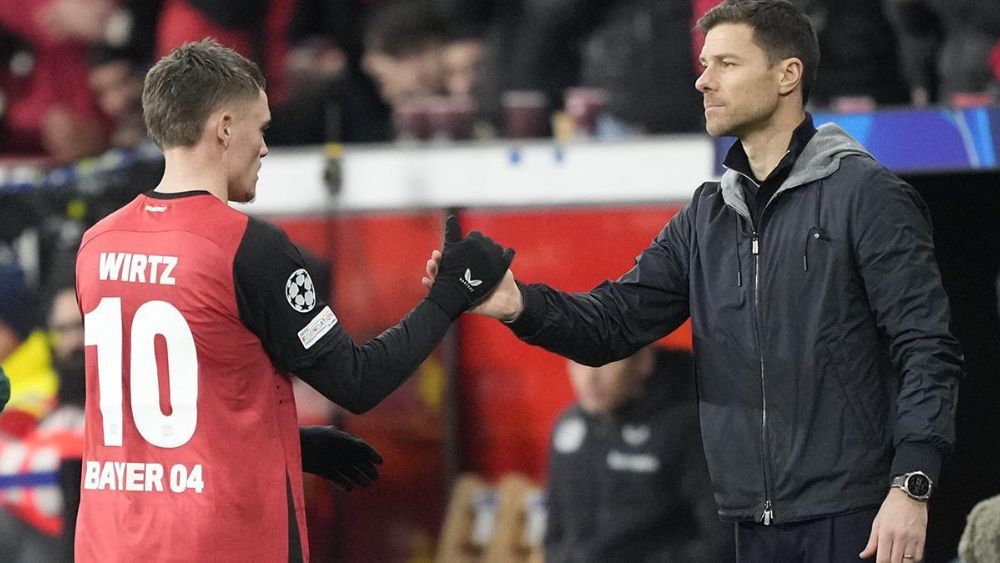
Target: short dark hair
(780, 29)
(187, 85)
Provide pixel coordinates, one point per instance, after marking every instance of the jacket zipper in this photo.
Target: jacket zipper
(768, 515)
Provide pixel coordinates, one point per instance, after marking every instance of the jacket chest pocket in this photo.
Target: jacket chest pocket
(817, 250)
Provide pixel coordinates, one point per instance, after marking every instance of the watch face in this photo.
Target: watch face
(918, 485)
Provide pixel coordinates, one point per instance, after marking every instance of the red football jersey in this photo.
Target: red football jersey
(191, 449)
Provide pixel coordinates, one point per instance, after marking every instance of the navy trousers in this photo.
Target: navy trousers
(834, 539)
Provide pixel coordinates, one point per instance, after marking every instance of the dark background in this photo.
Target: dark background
(965, 208)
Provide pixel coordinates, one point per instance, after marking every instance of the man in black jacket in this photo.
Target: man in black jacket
(827, 374)
(627, 476)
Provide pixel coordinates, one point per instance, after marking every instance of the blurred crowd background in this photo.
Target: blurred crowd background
(340, 72)
(361, 71)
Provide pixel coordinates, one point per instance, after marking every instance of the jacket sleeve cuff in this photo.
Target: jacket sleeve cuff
(915, 456)
(532, 317)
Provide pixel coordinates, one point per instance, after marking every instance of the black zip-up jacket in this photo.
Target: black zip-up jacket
(824, 358)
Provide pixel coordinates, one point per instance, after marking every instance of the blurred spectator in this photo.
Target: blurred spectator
(628, 479)
(65, 330)
(37, 520)
(632, 50)
(15, 312)
(919, 32)
(314, 71)
(257, 29)
(325, 78)
(529, 45)
(48, 109)
(24, 354)
(945, 46)
(116, 82)
(120, 38)
(461, 58)
(124, 25)
(640, 55)
(404, 42)
(859, 66)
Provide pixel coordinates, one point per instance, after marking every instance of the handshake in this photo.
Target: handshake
(467, 271)
(464, 275)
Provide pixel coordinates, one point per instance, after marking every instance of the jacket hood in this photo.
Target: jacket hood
(820, 158)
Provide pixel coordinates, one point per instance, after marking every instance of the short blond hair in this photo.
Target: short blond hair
(186, 86)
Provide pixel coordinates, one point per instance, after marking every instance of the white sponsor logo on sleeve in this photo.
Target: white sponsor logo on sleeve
(316, 328)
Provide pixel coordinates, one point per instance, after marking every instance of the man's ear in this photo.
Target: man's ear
(791, 75)
(223, 128)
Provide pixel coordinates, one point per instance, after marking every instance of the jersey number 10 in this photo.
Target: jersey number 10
(103, 328)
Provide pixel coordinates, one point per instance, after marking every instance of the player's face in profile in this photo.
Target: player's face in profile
(602, 389)
(738, 85)
(247, 148)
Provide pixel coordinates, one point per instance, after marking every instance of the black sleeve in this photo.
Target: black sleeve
(894, 250)
(615, 319)
(278, 302)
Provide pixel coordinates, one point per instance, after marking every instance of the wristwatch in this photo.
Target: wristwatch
(916, 484)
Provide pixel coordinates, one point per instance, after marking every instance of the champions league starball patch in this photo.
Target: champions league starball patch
(300, 292)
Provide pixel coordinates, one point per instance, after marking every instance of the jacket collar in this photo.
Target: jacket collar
(737, 159)
(820, 157)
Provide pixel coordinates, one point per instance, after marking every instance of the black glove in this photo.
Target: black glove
(4, 389)
(470, 269)
(339, 457)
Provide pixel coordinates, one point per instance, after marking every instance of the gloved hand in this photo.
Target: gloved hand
(4, 389)
(471, 268)
(339, 457)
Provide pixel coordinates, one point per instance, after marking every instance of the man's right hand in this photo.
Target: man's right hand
(468, 270)
(505, 303)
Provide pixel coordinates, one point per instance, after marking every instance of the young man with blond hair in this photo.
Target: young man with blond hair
(195, 314)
